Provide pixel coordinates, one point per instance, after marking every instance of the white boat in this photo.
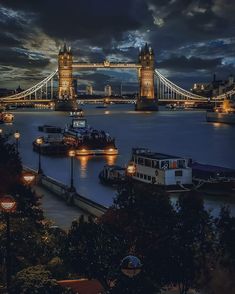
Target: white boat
(172, 173)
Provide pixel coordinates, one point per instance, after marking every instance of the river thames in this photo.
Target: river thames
(184, 133)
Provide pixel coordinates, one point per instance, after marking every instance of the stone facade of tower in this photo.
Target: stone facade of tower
(146, 99)
(65, 62)
(66, 93)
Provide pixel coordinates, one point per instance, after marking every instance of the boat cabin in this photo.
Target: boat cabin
(161, 169)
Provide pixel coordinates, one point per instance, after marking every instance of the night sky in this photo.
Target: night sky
(191, 39)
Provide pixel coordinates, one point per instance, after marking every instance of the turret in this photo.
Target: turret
(146, 56)
(65, 63)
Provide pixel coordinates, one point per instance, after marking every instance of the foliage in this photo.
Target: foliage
(92, 249)
(36, 280)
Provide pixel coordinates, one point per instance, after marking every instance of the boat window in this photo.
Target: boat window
(165, 164)
(149, 178)
(148, 162)
(141, 176)
(141, 160)
(178, 173)
(155, 164)
(138, 175)
(145, 177)
(181, 163)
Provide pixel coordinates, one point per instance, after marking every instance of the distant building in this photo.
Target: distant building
(107, 90)
(18, 90)
(215, 88)
(89, 90)
(6, 92)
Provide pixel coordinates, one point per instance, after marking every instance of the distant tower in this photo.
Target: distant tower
(65, 61)
(146, 99)
(66, 94)
(107, 90)
(89, 90)
(230, 80)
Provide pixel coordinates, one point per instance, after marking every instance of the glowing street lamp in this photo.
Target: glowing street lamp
(131, 170)
(8, 205)
(39, 141)
(28, 178)
(17, 137)
(72, 154)
(1, 131)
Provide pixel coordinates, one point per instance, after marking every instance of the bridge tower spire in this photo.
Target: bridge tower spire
(146, 99)
(66, 94)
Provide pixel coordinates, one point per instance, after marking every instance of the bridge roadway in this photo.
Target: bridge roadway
(100, 101)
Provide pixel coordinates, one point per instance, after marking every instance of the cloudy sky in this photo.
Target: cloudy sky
(191, 39)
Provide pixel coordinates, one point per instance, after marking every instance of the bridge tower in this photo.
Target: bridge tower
(66, 93)
(146, 99)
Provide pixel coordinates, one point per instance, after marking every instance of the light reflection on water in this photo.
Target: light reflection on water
(183, 133)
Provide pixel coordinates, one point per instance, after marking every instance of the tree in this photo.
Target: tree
(92, 249)
(146, 219)
(194, 242)
(36, 280)
(226, 238)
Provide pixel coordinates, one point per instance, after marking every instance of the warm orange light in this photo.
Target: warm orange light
(72, 153)
(1, 131)
(39, 141)
(17, 135)
(28, 178)
(131, 169)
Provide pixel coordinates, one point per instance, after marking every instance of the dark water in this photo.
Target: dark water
(184, 133)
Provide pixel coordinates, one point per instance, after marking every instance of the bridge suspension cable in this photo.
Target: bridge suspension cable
(169, 91)
(34, 89)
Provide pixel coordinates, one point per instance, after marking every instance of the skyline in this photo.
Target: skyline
(192, 40)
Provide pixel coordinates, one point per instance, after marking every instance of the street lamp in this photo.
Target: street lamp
(130, 171)
(17, 136)
(72, 154)
(8, 205)
(39, 142)
(1, 131)
(131, 266)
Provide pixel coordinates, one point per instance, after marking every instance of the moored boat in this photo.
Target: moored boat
(112, 175)
(223, 114)
(213, 180)
(81, 138)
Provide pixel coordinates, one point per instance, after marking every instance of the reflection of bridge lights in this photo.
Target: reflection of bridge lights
(107, 112)
(83, 162)
(111, 159)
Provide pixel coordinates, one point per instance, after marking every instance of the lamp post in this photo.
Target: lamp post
(39, 142)
(8, 205)
(1, 131)
(72, 154)
(130, 171)
(17, 136)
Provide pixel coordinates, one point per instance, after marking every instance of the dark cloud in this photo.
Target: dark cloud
(11, 57)
(189, 64)
(187, 35)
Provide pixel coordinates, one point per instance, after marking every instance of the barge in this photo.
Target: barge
(78, 136)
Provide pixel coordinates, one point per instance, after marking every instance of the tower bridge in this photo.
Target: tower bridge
(147, 75)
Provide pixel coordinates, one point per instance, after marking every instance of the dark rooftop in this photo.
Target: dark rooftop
(153, 155)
